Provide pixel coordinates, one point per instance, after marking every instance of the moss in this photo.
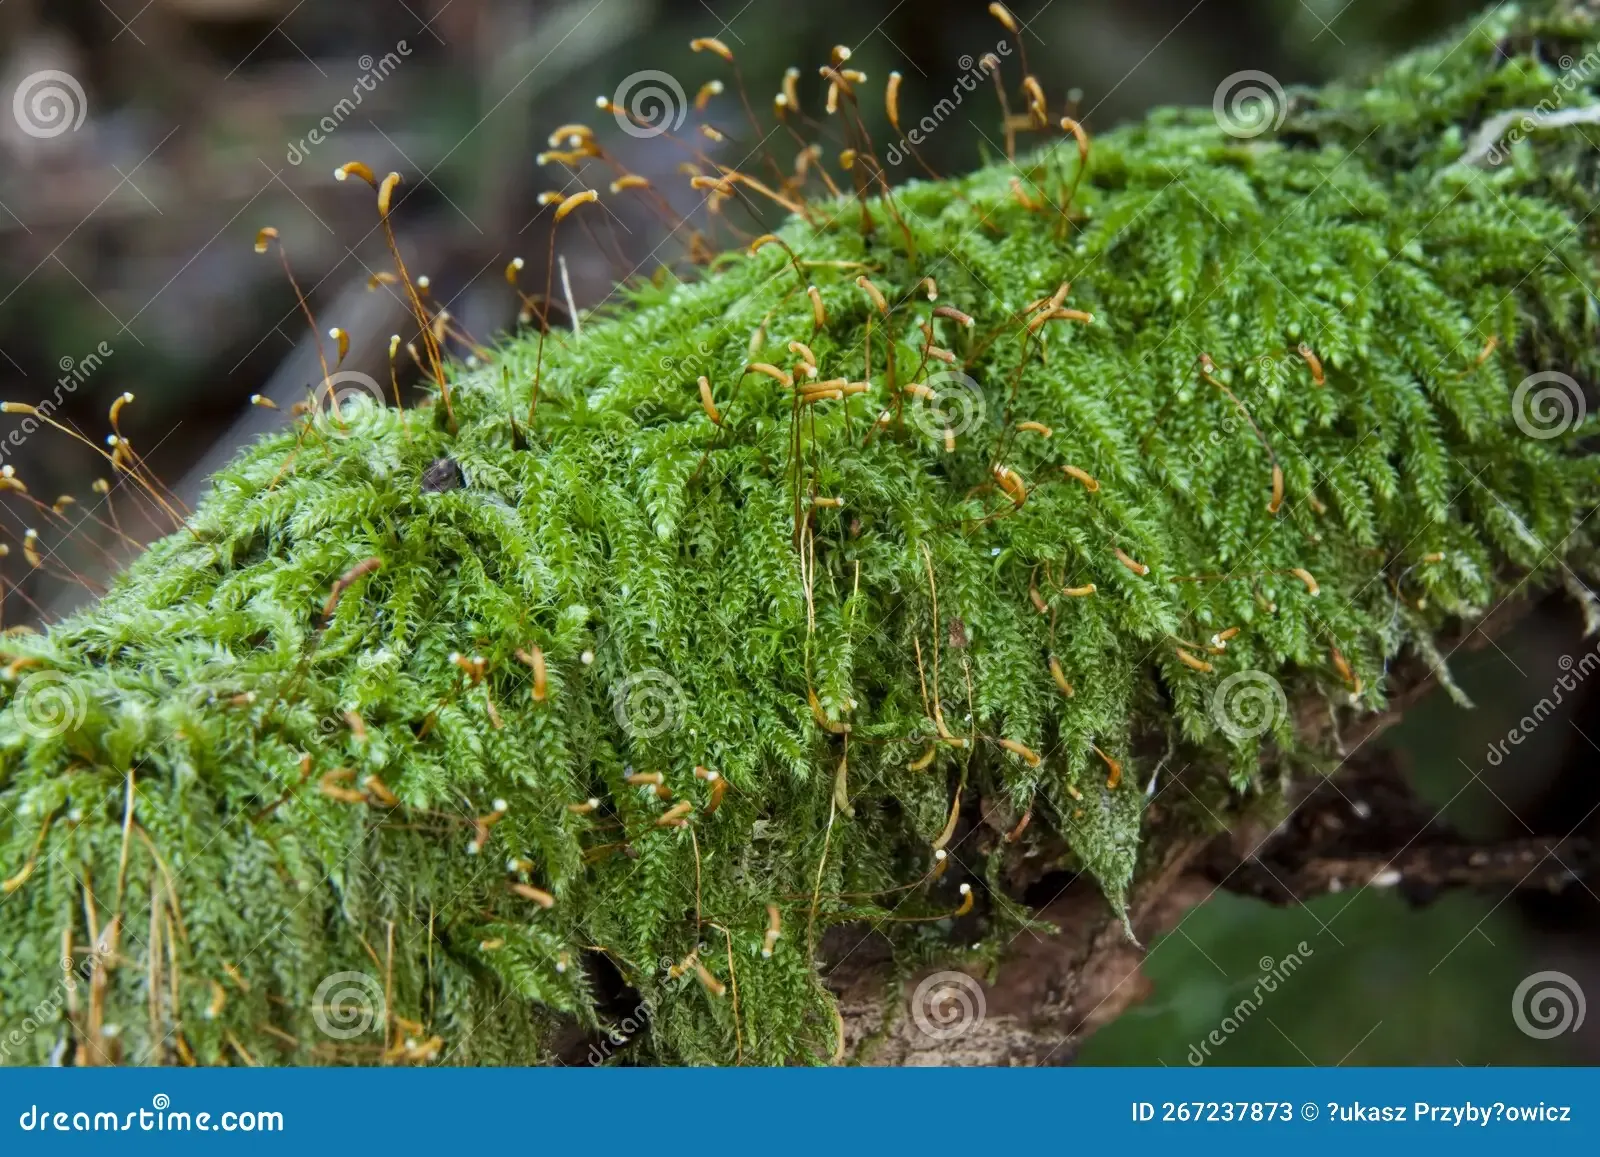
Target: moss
(685, 611)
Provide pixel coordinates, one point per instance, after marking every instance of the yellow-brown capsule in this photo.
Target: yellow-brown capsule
(1089, 481)
(819, 316)
(710, 983)
(355, 169)
(711, 44)
(570, 135)
(770, 371)
(1193, 662)
(891, 100)
(568, 204)
(1012, 484)
(822, 720)
(264, 238)
(708, 90)
(1277, 489)
(538, 895)
(1002, 14)
(1060, 677)
(1021, 751)
(1114, 769)
(629, 181)
(329, 785)
(954, 314)
(533, 659)
(1131, 563)
(966, 901)
(1038, 428)
(386, 193)
(378, 788)
(922, 762)
(774, 930)
(841, 787)
(1305, 576)
(872, 291)
(1036, 101)
(584, 808)
(673, 817)
(645, 778)
(1313, 361)
(1079, 592)
(706, 403)
(1060, 315)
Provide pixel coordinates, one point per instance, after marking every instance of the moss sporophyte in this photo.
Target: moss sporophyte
(810, 586)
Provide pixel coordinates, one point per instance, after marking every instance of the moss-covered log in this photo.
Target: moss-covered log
(468, 732)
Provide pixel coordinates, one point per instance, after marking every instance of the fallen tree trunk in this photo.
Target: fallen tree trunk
(923, 586)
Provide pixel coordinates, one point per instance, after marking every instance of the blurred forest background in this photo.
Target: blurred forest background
(127, 264)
